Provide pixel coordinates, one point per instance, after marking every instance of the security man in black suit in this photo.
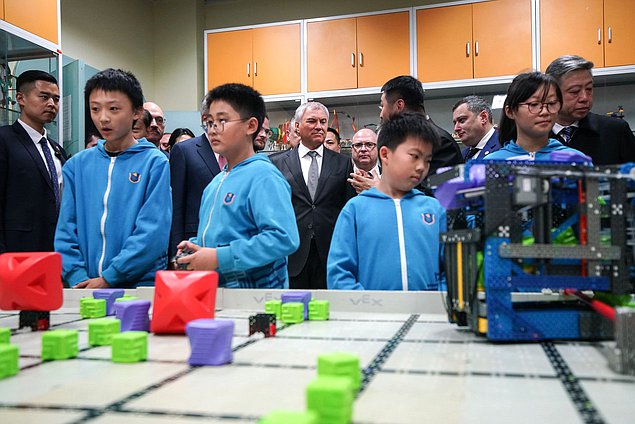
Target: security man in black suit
(609, 141)
(193, 164)
(319, 191)
(30, 168)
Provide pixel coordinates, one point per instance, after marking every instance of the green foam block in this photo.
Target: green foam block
(92, 308)
(331, 398)
(292, 312)
(9, 356)
(131, 346)
(126, 298)
(5, 335)
(319, 310)
(101, 331)
(59, 344)
(341, 364)
(289, 417)
(274, 307)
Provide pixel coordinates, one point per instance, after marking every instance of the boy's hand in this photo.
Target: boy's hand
(203, 259)
(361, 181)
(93, 283)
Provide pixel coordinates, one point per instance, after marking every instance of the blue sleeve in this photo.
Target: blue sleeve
(66, 238)
(178, 178)
(342, 268)
(277, 235)
(149, 240)
(441, 280)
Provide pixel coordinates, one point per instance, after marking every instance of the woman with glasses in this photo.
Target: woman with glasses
(529, 112)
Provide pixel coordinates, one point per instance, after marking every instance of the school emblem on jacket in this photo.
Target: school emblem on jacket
(428, 218)
(229, 198)
(134, 177)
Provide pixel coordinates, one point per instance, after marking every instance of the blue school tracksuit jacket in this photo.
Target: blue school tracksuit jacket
(115, 215)
(381, 243)
(513, 151)
(247, 215)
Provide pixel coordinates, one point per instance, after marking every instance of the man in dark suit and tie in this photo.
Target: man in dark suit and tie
(607, 140)
(30, 168)
(193, 164)
(319, 190)
(472, 118)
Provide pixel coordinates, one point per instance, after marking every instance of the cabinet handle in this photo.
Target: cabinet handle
(599, 35)
(610, 34)
(248, 69)
(353, 60)
(467, 49)
(255, 69)
(476, 48)
(361, 60)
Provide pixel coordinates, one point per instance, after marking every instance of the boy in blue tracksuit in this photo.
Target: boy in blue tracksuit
(387, 238)
(116, 206)
(247, 226)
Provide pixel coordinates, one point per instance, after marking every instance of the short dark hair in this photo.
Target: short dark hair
(30, 77)
(146, 117)
(178, 133)
(334, 131)
(110, 80)
(407, 88)
(522, 88)
(407, 124)
(244, 99)
(476, 105)
(568, 63)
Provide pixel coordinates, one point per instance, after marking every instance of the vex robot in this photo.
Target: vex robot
(541, 250)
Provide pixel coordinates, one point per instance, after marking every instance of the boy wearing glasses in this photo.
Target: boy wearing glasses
(247, 226)
(116, 204)
(387, 238)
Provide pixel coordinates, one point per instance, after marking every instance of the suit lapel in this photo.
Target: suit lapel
(207, 155)
(328, 162)
(28, 144)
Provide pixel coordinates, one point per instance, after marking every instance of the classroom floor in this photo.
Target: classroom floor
(417, 369)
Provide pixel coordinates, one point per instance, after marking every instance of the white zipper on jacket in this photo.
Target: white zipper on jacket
(402, 246)
(104, 215)
(211, 212)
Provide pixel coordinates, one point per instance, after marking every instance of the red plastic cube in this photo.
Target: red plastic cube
(31, 281)
(180, 297)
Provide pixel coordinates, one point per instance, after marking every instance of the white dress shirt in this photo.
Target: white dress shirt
(557, 127)
(36, 137)
(305, 160)
(481, 144)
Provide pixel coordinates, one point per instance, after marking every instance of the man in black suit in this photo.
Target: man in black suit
(405, 94)
(318, 191)
(472, 118)
(607, 140)
(193, 164)
(30, 168)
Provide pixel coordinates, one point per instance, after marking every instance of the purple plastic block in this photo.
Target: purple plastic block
(133, 315)
(109, 295)
(210, 340)
(298, 296)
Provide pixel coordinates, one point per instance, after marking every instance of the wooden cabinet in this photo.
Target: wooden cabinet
(2, 9)
(267, 58)
(474, 40)
(601, 31)
(357, 52)
(35, 16)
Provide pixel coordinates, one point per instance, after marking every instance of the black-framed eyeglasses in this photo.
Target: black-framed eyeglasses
(368, 146)
(219, 126)
(536, 107)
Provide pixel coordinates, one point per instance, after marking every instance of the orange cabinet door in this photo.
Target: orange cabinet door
(229, 58)
(2, 9)
(383, 48)
(502, 37)
(571, 27)
(444, 43)
(331, 55)
(36, 16)
(619, 39)
(276, 59)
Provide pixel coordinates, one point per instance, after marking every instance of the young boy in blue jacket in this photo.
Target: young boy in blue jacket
(387, 238)
(247, 226)
(116, 205)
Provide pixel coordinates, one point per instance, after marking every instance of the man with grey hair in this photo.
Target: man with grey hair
(472, 118)
(319, 191)
(193, 164)
(607, 140)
